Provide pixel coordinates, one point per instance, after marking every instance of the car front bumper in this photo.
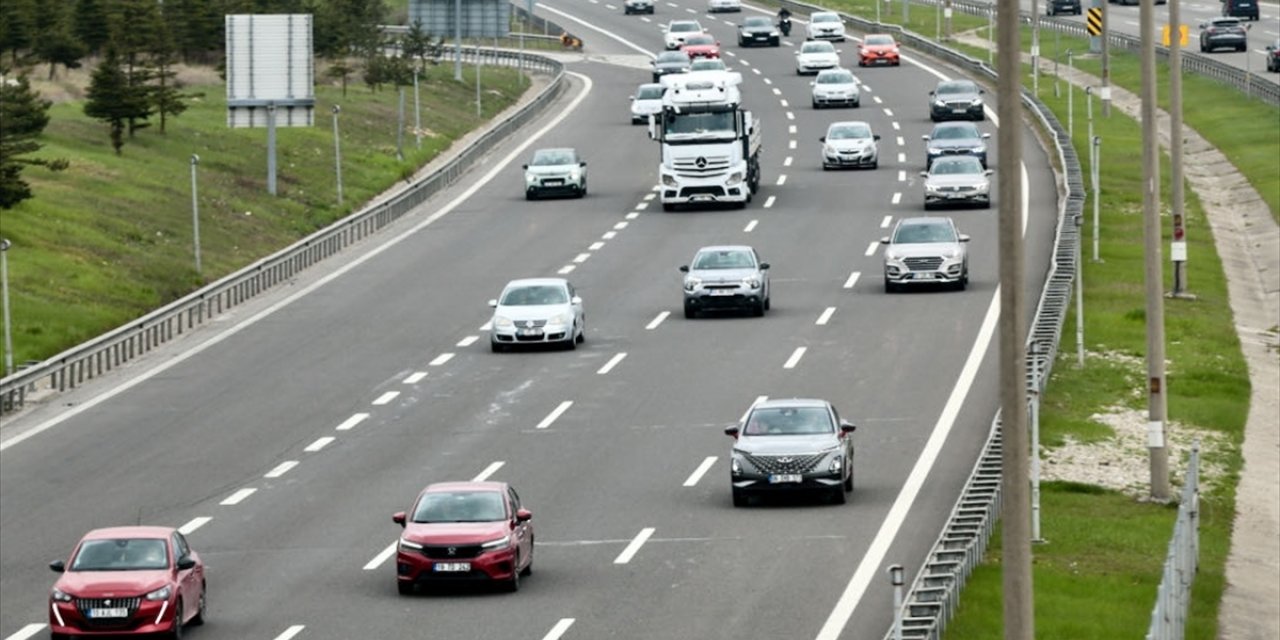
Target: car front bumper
(759, 482)
(150, 617)
(834, 36)
(949, 271)
(414, 567)
(871, 59)
(813, 67)
(738, 297)
(851, 100)
(949, 112)
(550, 333)
(849, 158)
(957, 198)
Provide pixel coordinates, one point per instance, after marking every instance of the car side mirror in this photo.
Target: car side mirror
(933, 93)
(186, 563)
(764, 266)
(985, 136)
(731, 432)
(58, 566)
(684, 268)
(822, 139)
(884, 240)
(493, 303)
(575, 300)
(924, 174)
(925, 138)
(631, 98)
(582, 164)
(398, 518)
(813, 83)
(525, 167)
(982, 91)
(523, 515)
(847, 427)
(988, 172)
(964, 237)
(875, 137)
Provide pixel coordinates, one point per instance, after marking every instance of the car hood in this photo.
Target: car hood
(458, 533)
(817, 56)
(879, 48)
(103, 584)
(956, 180)
(835, 88)
(700, 48)
(781, 445)
(923, 249)
(532, 312)
(957, 97)
(720, 276)
(550, 169)
(846, 144)
(757, 28)
(671, 65)
(646, 106)
(956, 143)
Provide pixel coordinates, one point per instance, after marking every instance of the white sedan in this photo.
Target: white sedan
(537, 311)
(815, 56)
(836, 87)
(646, 102)
(714, 6)
(825, 25)
(678, 30)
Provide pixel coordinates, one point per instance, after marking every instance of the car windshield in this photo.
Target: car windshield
(788, 421)
(724, 259)
(707, 65)
(952, 88)
(699, 39)
(649, 93)
(679, 27)
(954, 133)
(956, 166)
(923, 233)
(673, 56)
(849, 132)
(817, 47)
(124, 554)
(825, 17)
(758, 22)
(835, 78)
(534, 295)
(878, 39)
(461, 506)
(552, 157)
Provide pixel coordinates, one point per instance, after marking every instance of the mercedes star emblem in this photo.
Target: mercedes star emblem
(701, 162)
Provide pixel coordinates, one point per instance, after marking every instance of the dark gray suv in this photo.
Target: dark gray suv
(726, 277)
(787, 445)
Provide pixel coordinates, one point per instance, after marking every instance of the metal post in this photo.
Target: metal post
(337, 152)
(478, 60)
(4, 294)
(1057, 74)
(1071, 103)
(271, 149)
(1035, 440)
(946, 17)
(195, 211)
(400, 128)
(1156, 398)
(417, 112)
(1097, 193)
(1105, 91)
(1178, 251)
(937, 20)
(895, 576)
(877, 11)
(991, 33)
(457, 40)
(1035, 48)
(1079, 220)
(906, 10)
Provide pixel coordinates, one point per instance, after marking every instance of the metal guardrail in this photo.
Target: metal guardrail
(97, 357)
(1169, 616)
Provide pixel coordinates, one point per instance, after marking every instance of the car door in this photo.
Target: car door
(576, 303)
(190, 581)
(521, 530)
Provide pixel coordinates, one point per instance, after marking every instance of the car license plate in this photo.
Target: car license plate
(923, 276)
(553, 183)
(959, 110)
(531, 332)
(721, 292)
(108, 613)
(452, 567)
(784, 478)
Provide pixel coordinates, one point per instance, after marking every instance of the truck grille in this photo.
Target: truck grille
(702, 166)
(923, 263)
(800, 463)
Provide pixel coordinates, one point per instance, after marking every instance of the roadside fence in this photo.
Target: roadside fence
(1169, 616)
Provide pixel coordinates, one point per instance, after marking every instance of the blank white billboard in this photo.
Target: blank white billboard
(270, 62)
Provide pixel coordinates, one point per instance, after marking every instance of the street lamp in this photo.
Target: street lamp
(195, 211)
(4, 294)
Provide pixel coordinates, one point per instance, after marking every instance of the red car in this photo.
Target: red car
(878, 48)
(464, 532)
(701, 46)
(128, 580)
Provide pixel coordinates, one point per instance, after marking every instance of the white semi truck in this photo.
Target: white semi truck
(710, 145)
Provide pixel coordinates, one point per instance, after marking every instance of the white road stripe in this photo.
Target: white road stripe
(826, 316)
(750, 225)
(897, 199)
(27, 632)
(622, 225)
(484, 327)
(609, 235)
(291, 632)
(581, 258)
(766, 80)
(468, 341)
(784, 102)
(731, 53)
(700, 471)
(791, 129)
(902, 141)
(902, 176)
(558, 630)
(441, 359)
(791, 144)
(657, 320)
(642, 206)
(608, 366)
(782, 179)
(791, 115)
(866, 88)
(595, 246)
(633, 215)
(769, 201)
(853, 279)
(319, 444)
(884, 224)
(417, 376)
(568, 268)
(786, 162)
(359, 417)
(281, 469)
(388, 396)
(888, 112)
(795, 358)
(195, 523)
(877, 99)
(902, 157)
(555, 413)
(650, 196)
(777, 91)
(755, 70)
(381, 557)
(871, 248)
(896, 126)
(238, 496)
(634, 547)
(488, 471)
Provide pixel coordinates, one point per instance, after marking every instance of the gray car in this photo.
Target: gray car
(555, 172)
(669, 62)
(957, 180)
(788, 445)
(925, 251)
(537, 311)
(726, 277)
(956, 100)
(955, 138)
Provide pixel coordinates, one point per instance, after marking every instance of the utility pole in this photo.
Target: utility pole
(1178, 250)
(337, 152)
(946, 17)
(1156, 402)
(1018, 605)
(4, 295)
(195, 211)
(457, 43)
(1105, 90)
(1035, 47)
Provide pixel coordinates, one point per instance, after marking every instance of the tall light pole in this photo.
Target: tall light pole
(1156, 399)
(4, 294)
(1035, 48)
(457, 44)
(337, 152)
(417, 111)
(195, 211)
(1179, 248)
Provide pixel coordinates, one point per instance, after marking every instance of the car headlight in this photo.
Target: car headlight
(669, 180)
(935, 151)
(735, 177)
(891, 256)
(529, 177)
(951, 255)
(931, 188)
(980, 149)
(774, 33)
(500, 543)
(502, 322)
(977, 102)
(751, 282)
(836, 465)
(560, 318)
(59, 595)
(939, 103)
(691, 284)
(160, 594)
(575, 173)
(406, 544)
(735, 467)
(828, 150)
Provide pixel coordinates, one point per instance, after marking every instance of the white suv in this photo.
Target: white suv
(825, 25)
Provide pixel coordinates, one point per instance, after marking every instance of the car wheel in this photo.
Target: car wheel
(857, 104)
(572, 343)
(582, 335)
(837, 495)
(203, 607)
(889, 287)
(176, 632)
(739, 497)
(667, 206)
(529, 195)
(875, 163)
(826, 167)
(815, 105)
(405, 588)
(757, 309)
(768, 303)
(964, 280)
(690, 312)
(1244, 48)
(848, 482)
(496, 347)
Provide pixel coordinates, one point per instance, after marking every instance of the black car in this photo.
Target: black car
(758, 30)
(1240, 9)
(1223, 33)
(955, 138)
(670, 62)
(1056, 7)
(956, 100)
(1273, 56)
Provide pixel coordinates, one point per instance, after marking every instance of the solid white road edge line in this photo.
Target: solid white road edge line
(354, 420)
(381, 557)
(700, 471)
(608, 366)
(498, 167)
(488, 471)
(27, 632)
(588, 25)
(826, 316)
(237, 497)
(634, 546)
(795, 358)
(558, 630)
(281, 469)
(291, 632)
(657, 320)
(195, 523)
(555, 413)
(319, 444)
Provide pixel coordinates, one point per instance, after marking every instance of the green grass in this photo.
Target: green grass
(110, 238)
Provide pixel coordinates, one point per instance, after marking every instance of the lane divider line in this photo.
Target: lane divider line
(897, 199)
(581, 258)
(634, 547)
(595, 246)
(559, 629)
(782, 179)
(791, 129)
(642, 206)
(281, 469)
(750, 225)
(381, 557)
(417, 376)
(441, 359)
(238, 497)
(785, 104)
(902, 157)
(871, 248)
(896, 126)
(195, 523)
(768, 203)
(568, 268)
(356, 419)
(791, 144)
(791, 116)
(777, 91)
(884, 224)
(902, 142)
(786, 162)
(319, 444)
(826, 316)
(487, 326)
(468, 341)
(291, 632)
(609, 235)
(387, 397)
(795, 358)
(653, 324)
(555, 413)
(608, 366)
(700, 471)
(27, 632)
(650, 196)
(853, 279)
(888, 112)
(633, 215)
(768, 81)
(622, 225)
(902, 176)
(488, 471)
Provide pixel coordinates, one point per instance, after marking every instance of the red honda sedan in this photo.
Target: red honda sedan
(701, 46)
(878, 48)
(128, 580)
(464, 532)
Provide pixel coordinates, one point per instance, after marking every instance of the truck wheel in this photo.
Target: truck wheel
(667, 206)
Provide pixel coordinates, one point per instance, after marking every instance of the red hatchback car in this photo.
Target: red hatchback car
(464, 532)
(128, 580)
(878, 48)
(701, 46)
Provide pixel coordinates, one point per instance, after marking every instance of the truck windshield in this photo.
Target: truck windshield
(700, 126)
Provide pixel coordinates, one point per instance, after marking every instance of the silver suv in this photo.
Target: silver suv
(726, 277)
(925, 251)
(791, 445)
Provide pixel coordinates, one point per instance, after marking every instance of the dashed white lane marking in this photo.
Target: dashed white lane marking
(610, 7)
(555, 413)
(281, 469)
(791, 115)
(866, 88)
(237, 497)
(391, 395)
(568, 268)
(642, 206)
(581, 258)
(195, 523)
(755, 71)
(609, 235)
(897, 198)
(769, 201)
(488, 471)
(902, 176)
(766, 80)
(319, 444)
(750, 226)
(381, 557)
(356, 419)
(290, 632)
(613, 362)
(27, 632)
(558, 630)
(902, 157)
(888, 112)
(690, 10)
(650, 196)
(645, 19)
(632, 548)
(621, 225)
(795, 358)
(791, 129)
(441, 359)
(877, 99)
(902, 141)
(417, 376)
(826, 316)
(731, 53)
(786, 162)
(700, 471)
(777, 91)
(633, 215)
(791, 144)
(487, 326)
(884, 224)
(782, 179)
(657, 320)
(853, 279)
(784, 102)
(595, 246)
(871, 248)
(896, 127)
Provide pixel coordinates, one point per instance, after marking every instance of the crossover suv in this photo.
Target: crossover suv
(825, 25)
(955, 138)
(850, 144)
(878, 48)
(1223, 33)
(637, 6)
(464, 532)
(678, 30)
(555, 171)
(957, 181)
(537, 311)
(758, 30)
(925, 251)
(128, 581)
(816, 56)
(726, 277)
(956, 100)
(836, 88)
(1240, 9)
(646, 102)
(788, 445)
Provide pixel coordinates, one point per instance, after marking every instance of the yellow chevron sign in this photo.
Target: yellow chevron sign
(1183, 33)
(1094, 21)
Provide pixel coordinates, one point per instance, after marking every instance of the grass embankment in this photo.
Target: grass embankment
(110, 238)
(1097, 576)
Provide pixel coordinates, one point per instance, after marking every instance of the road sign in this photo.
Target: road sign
(1094, 21)
(1183, 35)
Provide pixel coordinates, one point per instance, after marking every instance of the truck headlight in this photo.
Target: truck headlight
(669, 180)
(735, 177)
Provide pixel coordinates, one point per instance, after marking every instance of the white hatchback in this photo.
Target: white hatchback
(646, 102)
(816, 56)
(678, 30)
(537, 311)
(714, 6)
(836, 87)
(825, 25)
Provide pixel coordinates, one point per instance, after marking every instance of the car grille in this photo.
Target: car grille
(522, 324)
(85, 604)
(955, 151)
(802, 463)
(957, 189)
(964, 104)
(930, 263)
(711, 166)
(442, 553)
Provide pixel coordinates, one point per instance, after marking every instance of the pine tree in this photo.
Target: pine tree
(55, 43)
(90, 26)
(25, 116)
(112, 99)
(164, 95)
(17, 27)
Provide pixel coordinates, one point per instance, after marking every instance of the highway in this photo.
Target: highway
(337, 398)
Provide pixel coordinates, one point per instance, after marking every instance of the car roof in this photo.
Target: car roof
(111, 533)
(441, 487)
(774, 403)
(556, 149)
(925, 220)
(726, 247)
(533, 282)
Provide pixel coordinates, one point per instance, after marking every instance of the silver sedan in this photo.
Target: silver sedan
(537, 311)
